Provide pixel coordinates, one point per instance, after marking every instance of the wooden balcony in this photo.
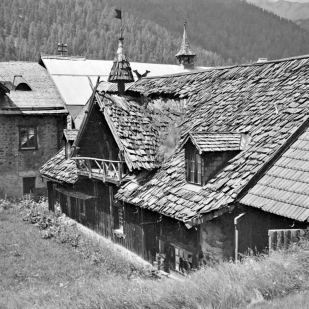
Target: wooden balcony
(105, 170)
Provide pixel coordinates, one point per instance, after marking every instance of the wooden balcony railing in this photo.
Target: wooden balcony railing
(105, 170)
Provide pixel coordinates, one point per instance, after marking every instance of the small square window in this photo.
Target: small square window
(27, 138)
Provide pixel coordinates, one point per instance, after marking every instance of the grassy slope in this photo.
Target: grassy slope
(299, 301)
(38, 273)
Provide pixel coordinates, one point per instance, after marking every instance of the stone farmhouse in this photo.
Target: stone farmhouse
(32, 117)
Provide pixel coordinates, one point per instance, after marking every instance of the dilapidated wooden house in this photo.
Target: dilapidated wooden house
(32, 117)
(195, 166)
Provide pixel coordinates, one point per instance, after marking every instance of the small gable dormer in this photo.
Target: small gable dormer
(20, 84)
(208, 153)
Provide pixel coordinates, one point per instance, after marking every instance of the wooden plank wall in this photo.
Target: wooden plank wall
(281, 239)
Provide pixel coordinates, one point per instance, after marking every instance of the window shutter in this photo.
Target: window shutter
(198, 169)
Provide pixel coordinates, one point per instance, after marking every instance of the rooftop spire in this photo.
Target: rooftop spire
(121, 72)
(185, 56)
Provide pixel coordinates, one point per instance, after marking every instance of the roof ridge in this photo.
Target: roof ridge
(197, 71)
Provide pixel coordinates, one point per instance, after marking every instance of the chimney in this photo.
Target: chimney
(62, 49)
(121, 72)
(185, 56)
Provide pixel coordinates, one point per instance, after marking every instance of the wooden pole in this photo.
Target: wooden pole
(236, 221)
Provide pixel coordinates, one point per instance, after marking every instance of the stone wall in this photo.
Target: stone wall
(217, 240)
(16, 164)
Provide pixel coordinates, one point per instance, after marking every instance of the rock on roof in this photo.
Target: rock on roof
(268, 100)
(43, 97)
(284, 189)
(60, 169)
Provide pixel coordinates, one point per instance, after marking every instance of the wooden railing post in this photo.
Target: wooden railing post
(120, 171)
(88, 164)
(104, 171)
(112, 171)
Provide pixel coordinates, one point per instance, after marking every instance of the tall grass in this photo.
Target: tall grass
(40, 273)
(59, 228)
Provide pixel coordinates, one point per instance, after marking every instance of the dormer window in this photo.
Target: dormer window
(20, 84)
(208, 153)
(194, 166)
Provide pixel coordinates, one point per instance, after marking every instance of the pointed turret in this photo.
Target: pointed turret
(121, 72)
(185, 56)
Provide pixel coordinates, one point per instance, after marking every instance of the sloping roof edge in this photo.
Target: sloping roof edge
(272, 161)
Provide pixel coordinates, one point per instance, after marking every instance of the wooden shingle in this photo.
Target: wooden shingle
(267, 101)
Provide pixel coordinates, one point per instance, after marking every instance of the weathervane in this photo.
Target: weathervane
(119, 16)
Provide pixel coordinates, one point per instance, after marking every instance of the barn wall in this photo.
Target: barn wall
(144, 232)
(16, 164)
(102, 215)
(254, 226)
(216, 240)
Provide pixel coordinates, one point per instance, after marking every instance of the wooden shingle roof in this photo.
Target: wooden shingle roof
(140, 129)
(268, 101)
(60, 169)
(121, 70)
(210, 142)
(284, 189)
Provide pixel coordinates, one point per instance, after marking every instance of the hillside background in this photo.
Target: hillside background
(297, 11)
(220, 31)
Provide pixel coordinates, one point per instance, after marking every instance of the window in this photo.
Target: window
(194, 167)
(82, 206)
(27, 138)
(120, 218)
(28, 185)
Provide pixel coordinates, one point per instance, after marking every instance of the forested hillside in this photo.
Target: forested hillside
(232, 28)
(28, 27)
(296, 11)
(220, 31)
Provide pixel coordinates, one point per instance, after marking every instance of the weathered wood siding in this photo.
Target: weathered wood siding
(144, 232)
(97, 140)
(254, 227)
(282, 239)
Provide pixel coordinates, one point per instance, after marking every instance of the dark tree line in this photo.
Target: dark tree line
(28, 27)
(220, 31)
